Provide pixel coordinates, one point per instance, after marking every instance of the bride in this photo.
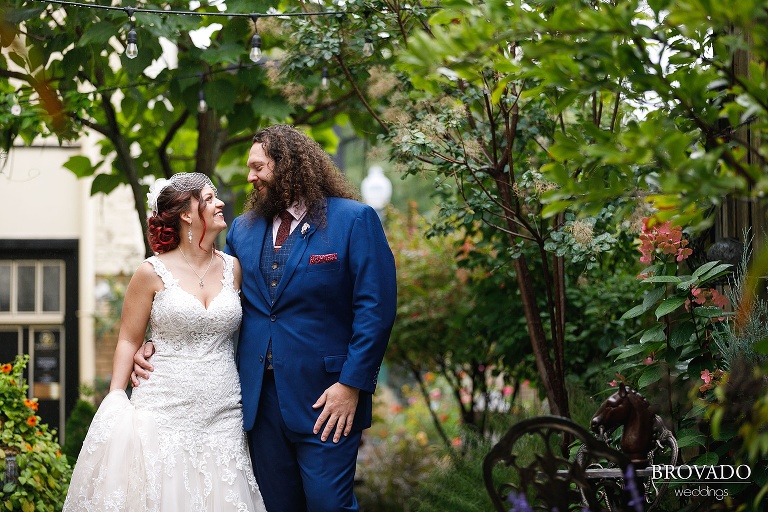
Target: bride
(178, 443)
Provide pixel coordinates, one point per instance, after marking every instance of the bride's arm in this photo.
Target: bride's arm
(137, 305)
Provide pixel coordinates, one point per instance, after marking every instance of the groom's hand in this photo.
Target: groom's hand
(339, 403)
(141, 364)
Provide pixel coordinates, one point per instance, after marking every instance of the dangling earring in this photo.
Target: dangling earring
(189, 233)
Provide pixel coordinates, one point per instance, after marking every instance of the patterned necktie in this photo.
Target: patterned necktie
(284, 229)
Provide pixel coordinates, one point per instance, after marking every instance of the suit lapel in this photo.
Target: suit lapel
(258, 236)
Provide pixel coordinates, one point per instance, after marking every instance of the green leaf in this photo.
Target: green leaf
(274, 107)
(105, 183)
(634, 312)
(631, 351)
(554, 207)
(662, 279)
(565, 100)
(708, 311)
(98, 34)
(690, 437)
(653, 296)
(707, 459)
(669, 305)
(655, 333)
(19, 16)
(704, 268)
(226, 53)
(80, 165)
(719, 270)
(681, 334)
(652, 373)
(220, 96)
(697, 410)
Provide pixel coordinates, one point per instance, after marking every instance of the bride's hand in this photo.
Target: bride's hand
(141, 364)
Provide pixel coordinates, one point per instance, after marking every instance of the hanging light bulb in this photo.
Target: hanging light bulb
(202, 106)
(132, 50)
(255, 54)
(325, 82)
(368, 46)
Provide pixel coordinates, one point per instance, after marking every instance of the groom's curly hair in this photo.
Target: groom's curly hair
(303, 171)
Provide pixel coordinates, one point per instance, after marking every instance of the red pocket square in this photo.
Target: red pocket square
(323, 258)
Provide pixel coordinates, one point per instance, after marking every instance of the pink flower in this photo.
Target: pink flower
(613, 383)
(662, 238)
(507, 390)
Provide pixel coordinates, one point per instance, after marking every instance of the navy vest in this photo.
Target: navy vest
(272, 265)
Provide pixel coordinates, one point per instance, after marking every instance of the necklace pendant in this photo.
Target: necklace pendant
(201, 283)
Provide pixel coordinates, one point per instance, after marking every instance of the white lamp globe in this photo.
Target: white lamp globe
(376, 188)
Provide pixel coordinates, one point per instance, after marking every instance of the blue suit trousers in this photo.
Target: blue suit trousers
(299, 472)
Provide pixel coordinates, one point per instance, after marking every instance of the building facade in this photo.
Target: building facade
(58, 245)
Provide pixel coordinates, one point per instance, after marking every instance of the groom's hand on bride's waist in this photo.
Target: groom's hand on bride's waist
(141, 365)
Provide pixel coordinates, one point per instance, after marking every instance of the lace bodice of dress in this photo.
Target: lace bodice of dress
(179, 320)
(194, 388)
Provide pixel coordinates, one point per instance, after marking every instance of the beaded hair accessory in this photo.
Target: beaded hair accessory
(181, 182)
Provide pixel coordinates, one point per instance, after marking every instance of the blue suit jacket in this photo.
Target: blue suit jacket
(332, 314)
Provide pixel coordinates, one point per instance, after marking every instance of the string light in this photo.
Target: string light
(255, 54)
(368, 46)
(202, 106)
(132, 48)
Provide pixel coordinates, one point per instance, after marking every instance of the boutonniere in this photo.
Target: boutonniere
(304, 230)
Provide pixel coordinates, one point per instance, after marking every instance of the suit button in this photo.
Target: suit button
(274, 265)
(273, 283)
(273, 317)
(261, 359)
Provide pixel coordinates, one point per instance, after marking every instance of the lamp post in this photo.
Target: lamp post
(376, 189)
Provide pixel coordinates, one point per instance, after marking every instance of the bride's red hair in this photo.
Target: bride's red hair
(164, 227)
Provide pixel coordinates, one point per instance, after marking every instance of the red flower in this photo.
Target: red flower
(31, 404)
(6, 368)
(32, 421)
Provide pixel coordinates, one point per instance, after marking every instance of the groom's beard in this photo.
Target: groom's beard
(268, 205)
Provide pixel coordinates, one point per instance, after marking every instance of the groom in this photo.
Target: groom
(319, 300)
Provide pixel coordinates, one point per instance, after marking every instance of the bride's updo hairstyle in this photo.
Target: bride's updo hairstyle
(168, 199)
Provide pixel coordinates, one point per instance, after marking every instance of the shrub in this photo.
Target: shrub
(43, 471)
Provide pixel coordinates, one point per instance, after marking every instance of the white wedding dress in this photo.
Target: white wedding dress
(178, 444)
